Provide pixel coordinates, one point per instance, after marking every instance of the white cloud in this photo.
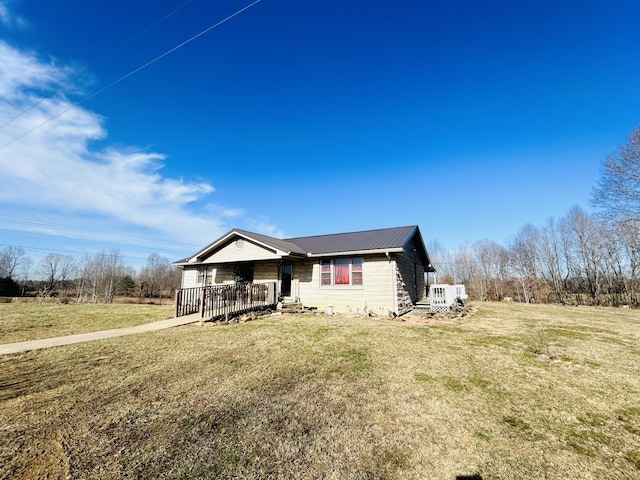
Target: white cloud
(54, 182)
(4, 14)
(262, 225)
(47, 163)
(9, 19)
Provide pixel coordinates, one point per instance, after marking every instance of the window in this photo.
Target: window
(205, 275)
(326, 272)
(341, 271)
(356, 271)
(243, 273)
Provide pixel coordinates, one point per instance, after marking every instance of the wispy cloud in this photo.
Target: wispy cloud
(4, 14)
(9, 19)
(263, 225)
(54, 168)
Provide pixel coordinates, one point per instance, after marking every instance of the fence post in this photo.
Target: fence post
(202, 302)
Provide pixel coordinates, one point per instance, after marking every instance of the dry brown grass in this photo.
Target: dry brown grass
(30, 321)
(332, 397)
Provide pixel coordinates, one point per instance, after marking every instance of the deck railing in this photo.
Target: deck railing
(217, 301)
(188, 301)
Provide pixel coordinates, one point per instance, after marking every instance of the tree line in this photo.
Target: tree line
(580, 258)
(92, 278)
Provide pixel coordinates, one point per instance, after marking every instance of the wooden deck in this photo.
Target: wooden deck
(218, 301)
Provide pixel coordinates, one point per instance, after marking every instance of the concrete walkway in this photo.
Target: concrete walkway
(18, 347)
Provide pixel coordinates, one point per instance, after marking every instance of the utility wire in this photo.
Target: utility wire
(64, 251)
(151, 27)
(131, 73)
(122, 238)
(76, 77)
(63, 228)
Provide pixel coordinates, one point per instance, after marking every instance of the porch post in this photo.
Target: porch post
(202, 295)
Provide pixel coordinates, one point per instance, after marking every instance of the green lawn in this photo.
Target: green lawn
(512, 392)
(30, 321)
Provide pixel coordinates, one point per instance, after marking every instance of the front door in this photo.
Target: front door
(286, 272)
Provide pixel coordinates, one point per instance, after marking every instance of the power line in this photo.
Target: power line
(70, 230)
(131, 73)
(65, 228)
(63, 251)
(154, 25)
(73, 79)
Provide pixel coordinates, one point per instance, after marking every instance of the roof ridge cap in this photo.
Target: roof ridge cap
(350, 233)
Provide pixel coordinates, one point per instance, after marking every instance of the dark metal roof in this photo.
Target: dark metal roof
(381, 239)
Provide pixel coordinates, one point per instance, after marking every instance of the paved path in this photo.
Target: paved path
(87, 337)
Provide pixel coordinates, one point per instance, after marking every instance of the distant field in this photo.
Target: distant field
(30, 321)
(513, 392)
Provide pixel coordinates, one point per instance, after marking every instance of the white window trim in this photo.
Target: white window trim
(205, 275)
(350, 285)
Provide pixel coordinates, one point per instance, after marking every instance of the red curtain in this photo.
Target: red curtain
(341, 271)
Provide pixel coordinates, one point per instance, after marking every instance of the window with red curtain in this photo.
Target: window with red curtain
(341, 271)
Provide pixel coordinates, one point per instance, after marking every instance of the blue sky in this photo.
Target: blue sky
(469, 118)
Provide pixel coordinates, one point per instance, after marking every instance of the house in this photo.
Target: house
(375, 271)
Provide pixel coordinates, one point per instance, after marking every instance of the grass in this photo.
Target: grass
(30, 321)
(333, 398)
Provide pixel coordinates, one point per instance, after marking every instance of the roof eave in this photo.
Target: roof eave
(358, 252)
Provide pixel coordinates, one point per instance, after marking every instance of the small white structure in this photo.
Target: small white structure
(442, 296)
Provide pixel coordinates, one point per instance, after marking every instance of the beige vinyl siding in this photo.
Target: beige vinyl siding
(376, 293)
(241, 251)
(190, 277)
(224, 273)
(262, 272)
(266, 272)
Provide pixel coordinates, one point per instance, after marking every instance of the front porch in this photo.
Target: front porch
(217, 301)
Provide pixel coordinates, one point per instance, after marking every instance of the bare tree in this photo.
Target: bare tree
(628, 236)
(83, 268)
(11, 258)
(615, 267)
(551, 256)
(491, 259)
(618, 191)
(438, 257)
(462, 267)
(157, 275)
(100, 275)
(523, 259)
(113, 269)
(585, 239)
(55, 269)
(25, 271)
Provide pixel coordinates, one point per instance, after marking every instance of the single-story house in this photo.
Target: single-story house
(375, 271)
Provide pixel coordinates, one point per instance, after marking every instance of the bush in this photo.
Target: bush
(9, 287)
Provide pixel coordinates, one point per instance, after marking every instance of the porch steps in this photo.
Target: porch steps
(423, 306)
(288, 305)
